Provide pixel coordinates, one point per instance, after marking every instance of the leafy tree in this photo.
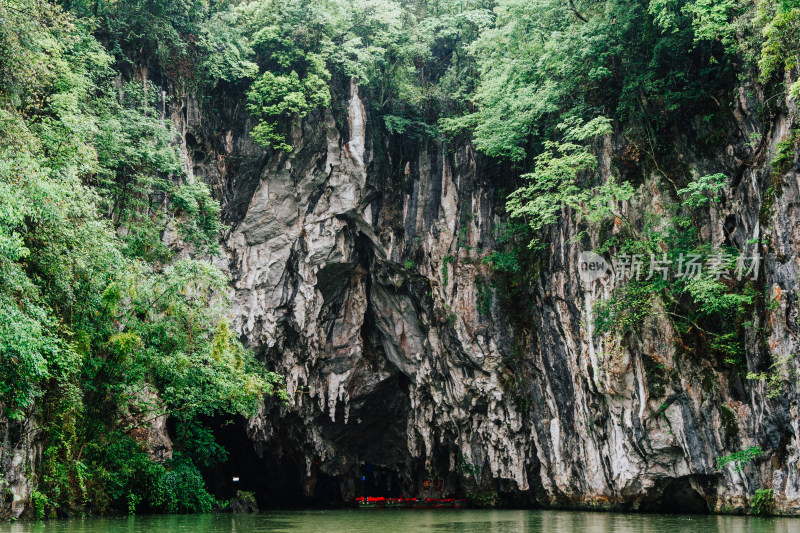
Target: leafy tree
(697, 190)
(547, 59)
(95, 312)
(299, 45)
(778, 22)
(556, 184)
(273, 97)
(182, 490)
(225, 51)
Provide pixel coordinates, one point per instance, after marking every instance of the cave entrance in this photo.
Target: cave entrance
(378, 482)
(680, 496)
(327, 491)
(274, 483)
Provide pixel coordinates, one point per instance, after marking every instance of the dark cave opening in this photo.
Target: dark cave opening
(275, 483)
(277, 476)
(378, 482)
(327, 491)
(277, 480)
(679, 497)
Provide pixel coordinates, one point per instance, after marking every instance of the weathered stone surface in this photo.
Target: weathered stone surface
(338, 263)
(20, 452)
(146, 427)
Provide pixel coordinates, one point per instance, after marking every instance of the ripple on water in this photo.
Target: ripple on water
(403, 520)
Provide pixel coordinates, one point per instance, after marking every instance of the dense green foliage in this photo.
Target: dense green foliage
(101, 330)
(299, 44)
(763, 502)
(555, 183)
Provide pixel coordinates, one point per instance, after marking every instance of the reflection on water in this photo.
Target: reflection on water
(401, 520)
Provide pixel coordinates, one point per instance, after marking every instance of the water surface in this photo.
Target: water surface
(406, 520)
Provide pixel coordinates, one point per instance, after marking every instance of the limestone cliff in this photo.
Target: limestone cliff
(357, 273)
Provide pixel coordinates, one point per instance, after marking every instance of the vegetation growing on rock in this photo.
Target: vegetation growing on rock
(113, 309)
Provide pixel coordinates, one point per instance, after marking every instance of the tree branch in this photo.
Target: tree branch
(576, 12)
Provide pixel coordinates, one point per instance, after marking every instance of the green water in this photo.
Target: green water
(436, 521)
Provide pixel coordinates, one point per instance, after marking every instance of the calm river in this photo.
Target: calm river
(435, 521)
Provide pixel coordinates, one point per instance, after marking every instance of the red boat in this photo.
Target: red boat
(414, 503)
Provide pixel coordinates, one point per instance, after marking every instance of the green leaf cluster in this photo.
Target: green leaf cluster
(635, 62)
(559, 178)
(739, 459)
(300, 45)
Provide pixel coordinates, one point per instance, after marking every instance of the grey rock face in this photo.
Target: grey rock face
(20, 451)
(338, 283)
(357, 273)
(146, 427)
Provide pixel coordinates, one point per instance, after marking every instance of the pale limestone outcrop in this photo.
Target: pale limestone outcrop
(361, 280)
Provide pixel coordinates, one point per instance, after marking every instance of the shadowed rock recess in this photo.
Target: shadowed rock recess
(357, 273)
